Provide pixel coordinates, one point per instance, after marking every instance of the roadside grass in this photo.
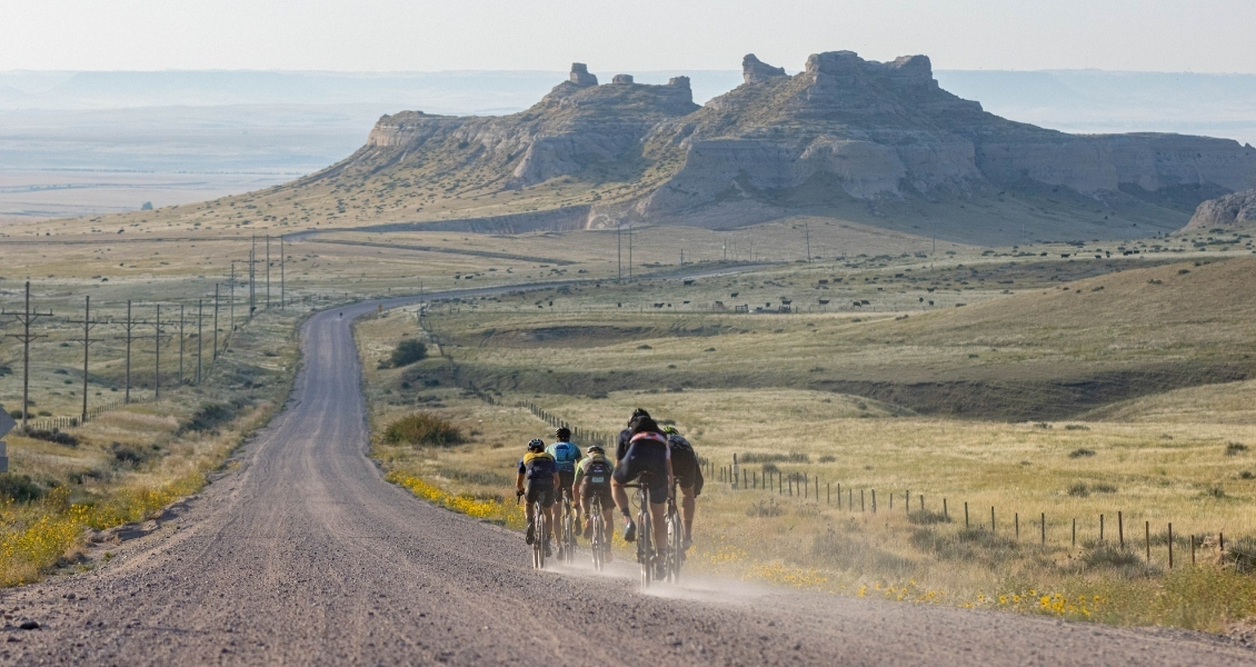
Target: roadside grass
(1149, 469)
(132, 462)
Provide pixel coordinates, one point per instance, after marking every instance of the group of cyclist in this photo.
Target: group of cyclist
(548, 472)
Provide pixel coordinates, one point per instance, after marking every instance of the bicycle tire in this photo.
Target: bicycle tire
(599, 534)
(569, 530)
(645, 539)
(675, 545)
(542, 533)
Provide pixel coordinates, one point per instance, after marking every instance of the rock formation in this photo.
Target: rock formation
(622, 78)
(581, 77)
(843, 130)
(1233, 209)
(754, 70)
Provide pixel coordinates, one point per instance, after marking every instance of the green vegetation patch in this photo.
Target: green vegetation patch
(423, 429)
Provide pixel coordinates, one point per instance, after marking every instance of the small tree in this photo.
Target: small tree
(408, 352)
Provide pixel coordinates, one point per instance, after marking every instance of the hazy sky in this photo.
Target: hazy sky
(416, 35)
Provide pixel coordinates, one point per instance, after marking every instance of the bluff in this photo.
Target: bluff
(1237, 209)
(844, 133)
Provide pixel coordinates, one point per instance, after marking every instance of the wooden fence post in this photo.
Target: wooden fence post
(1101, 529)
(946, 516)
(1147, 526)
(1170, 546)
(1044, 528)
(1074, 532)
(874, 501)
(1120, 529)
(862, 507)
(1016, 520)
(992, 519)
(965, 515)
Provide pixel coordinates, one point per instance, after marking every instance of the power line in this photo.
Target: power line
(26, 318)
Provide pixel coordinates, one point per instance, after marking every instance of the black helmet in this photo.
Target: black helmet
(637, 414)
(563, 433)
(597, 449)
(536, 445)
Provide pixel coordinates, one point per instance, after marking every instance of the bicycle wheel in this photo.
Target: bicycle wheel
(569, 531)
(599, 534)
(542, 531)
(675, 545)
(645, 540)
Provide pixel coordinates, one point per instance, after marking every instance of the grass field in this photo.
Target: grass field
(1070, 389)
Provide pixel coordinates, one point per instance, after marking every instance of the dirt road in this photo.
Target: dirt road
(303, 555)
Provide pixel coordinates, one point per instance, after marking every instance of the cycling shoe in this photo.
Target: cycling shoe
(548, 550)
(630, 532)
(530, 536)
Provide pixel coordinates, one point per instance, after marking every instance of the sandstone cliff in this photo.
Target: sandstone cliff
(1228, 211)
(843, 131)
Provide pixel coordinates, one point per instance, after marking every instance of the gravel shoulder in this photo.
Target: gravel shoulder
(302, 554)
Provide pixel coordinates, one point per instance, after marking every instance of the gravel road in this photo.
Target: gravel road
(303, 555)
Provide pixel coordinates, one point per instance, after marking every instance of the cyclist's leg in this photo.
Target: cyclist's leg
(625, 471)
(547, 506)
(688, 506)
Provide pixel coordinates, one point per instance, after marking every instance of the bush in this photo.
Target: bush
(1079, 490)
(765, 509)
(848, 553)
(1079, 453)
(1241, 555)
(408, 352)
(423, 430)
(755, 457)
(926, 517)
(19, 487)
(1234, 448)
(210, 417)
(54, 436)
(130, 455)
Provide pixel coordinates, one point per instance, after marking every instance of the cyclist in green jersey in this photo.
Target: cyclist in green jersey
(593, 479)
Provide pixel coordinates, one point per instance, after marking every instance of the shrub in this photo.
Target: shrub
(423, 430)
(843, 552)
(1234, 448)
(1241, 554)
(828, 458)
(130, 455)
(1246, 474)
(210, 417)
(764, 509)
(756, 457)
(1103, 488)
(1080, 490)
(54, 436)
(408, 351)
(1107, 555)
(19, 487)
(1080, 452)
(926, 517)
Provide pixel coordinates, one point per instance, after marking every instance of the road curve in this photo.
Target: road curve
(303, 555)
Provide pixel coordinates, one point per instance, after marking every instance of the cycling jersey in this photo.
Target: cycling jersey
(685, 465)
(596, 469)
(538, 467)
(566, 455)
(646, 452)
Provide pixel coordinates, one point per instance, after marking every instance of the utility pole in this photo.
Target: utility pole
(25, 318)
(200, 338)
(88, 324)
(129, 326)
(807, 228)
(231, 291)
(252, 279)
(182, 321)
(157, 365)
(420, 303)
(214, 356)
(268, 272)
(619, 249)
(630, 252)
(283, 260)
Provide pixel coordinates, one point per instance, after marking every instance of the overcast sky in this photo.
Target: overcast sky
(417, 35)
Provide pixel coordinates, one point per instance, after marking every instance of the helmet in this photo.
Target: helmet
(596, 449)
(536, 445)
(670, 430)
(563, 433)
(636, 414)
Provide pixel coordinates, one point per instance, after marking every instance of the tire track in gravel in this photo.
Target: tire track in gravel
(304, 555)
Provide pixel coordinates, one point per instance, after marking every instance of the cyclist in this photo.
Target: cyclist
(541, 475)
(593, 480)
(566, 456)
(688, 477)
(646, 451)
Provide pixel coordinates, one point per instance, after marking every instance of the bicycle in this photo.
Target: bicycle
(645, 529)
(539, 534)
(567, 542)
(599, 544)
(674, 551)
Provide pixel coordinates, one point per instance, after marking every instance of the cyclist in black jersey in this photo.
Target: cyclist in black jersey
(539, 471)
(646, 450)
(688, 474)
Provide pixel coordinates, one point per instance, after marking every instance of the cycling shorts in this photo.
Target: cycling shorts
(542, 491)
(645, 457)
(589, 490)
(565, 480)
(686, 469)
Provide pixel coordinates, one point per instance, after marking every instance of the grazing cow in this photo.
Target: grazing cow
(865, 302)
(734, 294)
(824, 302)
(856, 304)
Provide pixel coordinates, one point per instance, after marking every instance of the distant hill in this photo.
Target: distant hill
(878, 143)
